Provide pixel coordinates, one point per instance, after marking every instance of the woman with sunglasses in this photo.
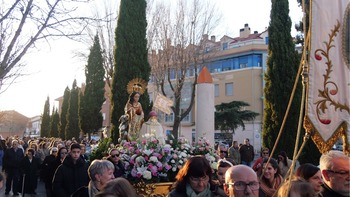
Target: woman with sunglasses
(265, 153)
(114, 157)
(193, 179)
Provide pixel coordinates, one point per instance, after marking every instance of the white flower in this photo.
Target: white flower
(181, 162)
(214, 165)
(147, 175)
(148, 152)
(140, 160)
(163, 174)
(141, 169)
(183, 154)
(174, 169)
(172, 161)
(153, 159)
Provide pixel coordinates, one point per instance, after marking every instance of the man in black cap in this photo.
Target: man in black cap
(71, 174)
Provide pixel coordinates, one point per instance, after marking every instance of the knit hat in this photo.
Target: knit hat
(74, 146)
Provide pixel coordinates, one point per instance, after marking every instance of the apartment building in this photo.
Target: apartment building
(237, 66)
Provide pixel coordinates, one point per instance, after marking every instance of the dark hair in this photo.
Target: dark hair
(275, 166)
(119, 187)
(284, 155)
(131, 98)
(306, 171)
(223, 163)
(31, 151)
(196, 166)
(58, 156)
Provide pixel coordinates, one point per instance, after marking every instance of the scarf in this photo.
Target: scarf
(191, 193)
(271, 191)
(92, 189)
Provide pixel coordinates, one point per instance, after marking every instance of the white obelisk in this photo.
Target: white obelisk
(205, 108)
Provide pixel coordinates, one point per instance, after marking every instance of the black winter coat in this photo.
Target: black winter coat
(30, 170)
(69, 177)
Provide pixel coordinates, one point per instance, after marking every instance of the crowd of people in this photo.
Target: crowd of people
(66, 170)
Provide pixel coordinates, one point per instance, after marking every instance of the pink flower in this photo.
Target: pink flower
(143, 141)
(146, 158)
(174, 156)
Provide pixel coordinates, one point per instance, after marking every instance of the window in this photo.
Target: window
(242, 65)
(229, 89)
(169, 118)
(224, 45)
(216, 90)
(104, 116)
(187, 117)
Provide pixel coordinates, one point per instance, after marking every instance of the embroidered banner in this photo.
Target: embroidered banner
(163, 103)
(328, 112)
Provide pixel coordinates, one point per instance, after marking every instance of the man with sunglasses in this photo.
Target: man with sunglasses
(335, 167)
(114, 157)
(241, 181)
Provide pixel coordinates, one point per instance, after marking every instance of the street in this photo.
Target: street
(40, 191)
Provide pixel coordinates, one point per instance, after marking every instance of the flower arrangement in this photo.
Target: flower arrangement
(153, 162)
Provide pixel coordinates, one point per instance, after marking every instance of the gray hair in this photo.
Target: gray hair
(99, 167)
(326, 160)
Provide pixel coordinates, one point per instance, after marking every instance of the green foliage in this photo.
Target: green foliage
(45, 119)
(229, 116)
(101, 150)
(64, 111)
(72, 127)
(91, 101)
(282, 66)
(131, 58)
(54, 123)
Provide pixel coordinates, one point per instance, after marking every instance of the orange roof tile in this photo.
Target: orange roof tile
(204, 76)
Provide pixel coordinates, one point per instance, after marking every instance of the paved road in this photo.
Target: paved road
(40, 191)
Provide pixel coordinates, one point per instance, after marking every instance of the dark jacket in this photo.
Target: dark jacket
(247, 153)
(328, 192)
(12, 159)
(30, 170)
(47, 169)
(119, 170)
(69, 177)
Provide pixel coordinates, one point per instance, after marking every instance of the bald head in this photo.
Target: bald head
(241, 175)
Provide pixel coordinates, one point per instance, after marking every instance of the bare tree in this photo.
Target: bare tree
(23, 23)
(178, 50)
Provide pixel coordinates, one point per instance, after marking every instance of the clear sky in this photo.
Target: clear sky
(54, 67)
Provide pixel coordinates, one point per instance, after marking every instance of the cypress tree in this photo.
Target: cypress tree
(282, 67)
(130, 58)
(72, 128)
(54, 124)
(93, 97)
(45, 119)
(63, 115)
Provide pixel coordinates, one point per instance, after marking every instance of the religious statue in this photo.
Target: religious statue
(133, 108)
(153, 129)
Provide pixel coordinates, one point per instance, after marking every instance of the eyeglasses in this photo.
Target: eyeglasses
(201, 179)
(342, 173)
(223, 151)
(265, 153)
(54, 151)
(116, 155)
(240, 185)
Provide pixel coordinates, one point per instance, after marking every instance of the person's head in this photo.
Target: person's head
(241, 181)
(235, 144)
(54, 151)
(14, 144)
(222, 151)
(282, 157)
(62, 153)
(265, 152)
(270, 169)
(246, 141)
(101, 172)
(34, 146)
(196, 172)
(30, 153)
(114, 155)
(335, 167)
(82, 148)
(135, 97)
(75, 150)
(223, 165)
(311, 174)
(119, 187)
(298, 188)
